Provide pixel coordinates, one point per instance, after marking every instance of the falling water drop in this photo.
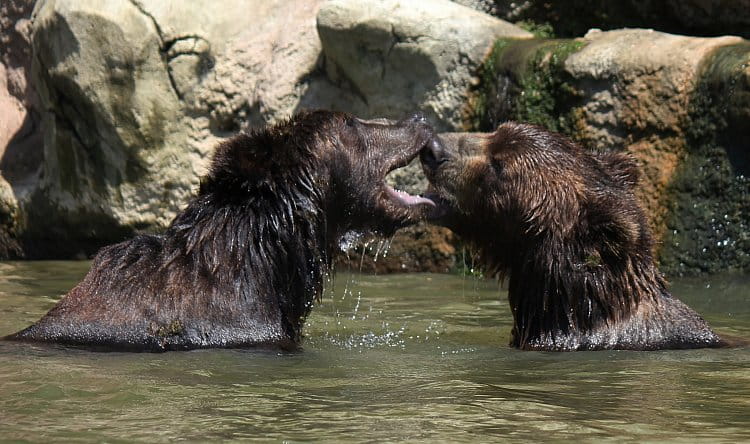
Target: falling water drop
(349, 240)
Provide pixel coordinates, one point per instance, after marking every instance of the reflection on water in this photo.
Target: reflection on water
(386, 358)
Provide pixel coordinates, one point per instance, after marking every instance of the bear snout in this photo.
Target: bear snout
(433, 154)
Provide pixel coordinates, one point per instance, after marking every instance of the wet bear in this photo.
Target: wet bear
(243, 263)
(564, 225)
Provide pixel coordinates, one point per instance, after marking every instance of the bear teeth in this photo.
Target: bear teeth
(406, 198)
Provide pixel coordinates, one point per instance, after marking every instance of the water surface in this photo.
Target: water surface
(386, 358)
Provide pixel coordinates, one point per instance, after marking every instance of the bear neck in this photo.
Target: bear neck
(240, 233)
(563, 304)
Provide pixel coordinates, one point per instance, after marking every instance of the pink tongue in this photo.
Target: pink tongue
(408, 199)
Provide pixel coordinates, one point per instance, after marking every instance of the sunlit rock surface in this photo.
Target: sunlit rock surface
(137, 94)
(400, 56)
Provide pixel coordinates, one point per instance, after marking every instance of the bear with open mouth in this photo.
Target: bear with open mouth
(243, 263)
(564, 224)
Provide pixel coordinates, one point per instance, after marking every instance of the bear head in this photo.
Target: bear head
(329, 162)
(524, 189)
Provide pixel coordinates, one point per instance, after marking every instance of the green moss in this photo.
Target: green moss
(525, 80)
(546, 91)
(484, 99)
(709, 223)
(540, 30)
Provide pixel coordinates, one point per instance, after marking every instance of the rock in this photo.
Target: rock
(392, 58)
(650, 111)
(116, 157)
(126, 145)
(136, 93)
(654, 95)
(421, 248)
(10, 224)
(645, 111)
(20, 134)
(399, 57)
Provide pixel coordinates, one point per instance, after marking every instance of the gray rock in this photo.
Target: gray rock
(114, 146)
(136, 96)
(399, 57)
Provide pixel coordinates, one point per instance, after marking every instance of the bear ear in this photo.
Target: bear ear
(622, 166)
(508, 137)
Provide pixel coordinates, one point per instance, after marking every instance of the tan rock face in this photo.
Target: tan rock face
(639, 80)
(636, 89)
(676, 103)
(112, 144)
(138, 93)
(12, 110)
(404, 56)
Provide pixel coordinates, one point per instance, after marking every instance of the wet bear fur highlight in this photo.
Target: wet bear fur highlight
(562, 223)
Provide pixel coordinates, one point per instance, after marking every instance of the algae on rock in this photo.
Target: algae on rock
(709, 224)
(525, 81)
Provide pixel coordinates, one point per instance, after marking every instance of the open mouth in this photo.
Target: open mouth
(402, 197)
(407, 199)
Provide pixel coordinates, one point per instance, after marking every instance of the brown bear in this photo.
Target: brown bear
(564, 224)
(243, 263)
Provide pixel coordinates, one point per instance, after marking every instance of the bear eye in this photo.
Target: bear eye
(351, 122)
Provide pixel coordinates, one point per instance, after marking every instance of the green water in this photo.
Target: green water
(386, 358)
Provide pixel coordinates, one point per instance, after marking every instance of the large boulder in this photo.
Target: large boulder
(136, 95)
(404, 56)
(639, 101)
(391, 58)
(676, 103)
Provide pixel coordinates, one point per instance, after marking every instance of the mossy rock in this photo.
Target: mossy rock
(709, 227)
(525, 81)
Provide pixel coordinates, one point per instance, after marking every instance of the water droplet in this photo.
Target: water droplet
(349, 240)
